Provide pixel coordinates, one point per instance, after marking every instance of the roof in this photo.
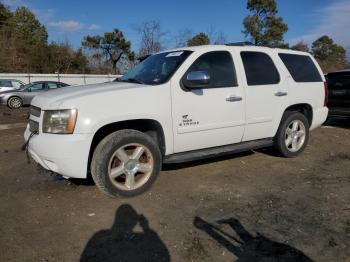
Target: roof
(345, 72)
(49, 81)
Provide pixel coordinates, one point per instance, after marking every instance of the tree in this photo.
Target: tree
(182, 37)
(111, 45)
(80, 63)
(330, 55)
(29, 39)
(151, 36)
(199, 39)
(62, 58)
(5, 36)
(24, 47)
(216, 37)
(220, 39)
(301, 46)
(5, 15)
(263, 27)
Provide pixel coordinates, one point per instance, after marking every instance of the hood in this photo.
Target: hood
(54, 98)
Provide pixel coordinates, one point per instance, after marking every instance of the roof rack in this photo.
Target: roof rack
(240, 44)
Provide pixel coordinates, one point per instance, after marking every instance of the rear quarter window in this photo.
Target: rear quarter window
(301, 67)
(5, 83)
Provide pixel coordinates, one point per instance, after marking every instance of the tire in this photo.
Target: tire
(126, 163)
(14, 102)
(292, 135)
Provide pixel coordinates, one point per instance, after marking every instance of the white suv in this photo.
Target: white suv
(176, 106)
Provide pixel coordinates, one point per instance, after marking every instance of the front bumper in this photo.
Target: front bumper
(66, 155)
(3, 101)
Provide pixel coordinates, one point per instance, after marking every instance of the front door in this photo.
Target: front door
(212, 115)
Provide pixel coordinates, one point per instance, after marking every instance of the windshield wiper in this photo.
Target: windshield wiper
(132, 80)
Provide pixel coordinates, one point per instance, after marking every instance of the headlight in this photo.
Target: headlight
(59, 121)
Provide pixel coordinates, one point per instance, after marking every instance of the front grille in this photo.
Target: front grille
(35, 111)
(33, 126)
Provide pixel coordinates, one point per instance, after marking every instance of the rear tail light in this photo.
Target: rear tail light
(326, 92)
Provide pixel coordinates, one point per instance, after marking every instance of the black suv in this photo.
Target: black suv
(339, 92)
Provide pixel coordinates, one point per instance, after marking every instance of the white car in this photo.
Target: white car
(10, 85)
(176, 106)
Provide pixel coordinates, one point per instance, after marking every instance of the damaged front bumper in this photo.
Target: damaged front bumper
(66, 155)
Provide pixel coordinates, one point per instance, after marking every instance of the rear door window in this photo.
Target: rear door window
(5, 83)
(301, 68)
(259, 69)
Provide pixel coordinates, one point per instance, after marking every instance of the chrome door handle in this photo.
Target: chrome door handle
(234, 98)
(281, 93)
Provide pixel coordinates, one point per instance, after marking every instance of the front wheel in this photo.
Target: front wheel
(292, 135)
(126, 163)
(14, 102)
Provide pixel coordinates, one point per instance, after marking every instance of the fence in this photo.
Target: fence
(71, 79)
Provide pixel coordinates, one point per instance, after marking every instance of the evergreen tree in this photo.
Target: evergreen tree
(113, 45)
(262, 26)
(199, 39)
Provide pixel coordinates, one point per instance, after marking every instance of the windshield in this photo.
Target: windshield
(17, 84)
(156, 69)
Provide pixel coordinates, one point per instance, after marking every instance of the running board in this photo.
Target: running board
(216, 151)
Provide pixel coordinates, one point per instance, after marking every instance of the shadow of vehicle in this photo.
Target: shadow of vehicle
(248, 247)
(338, 121)
(122, 243)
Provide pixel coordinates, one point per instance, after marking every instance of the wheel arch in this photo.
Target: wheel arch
(149, 126)
(304, 108)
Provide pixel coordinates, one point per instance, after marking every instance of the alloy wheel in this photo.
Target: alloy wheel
(130, 166)
(295, 135)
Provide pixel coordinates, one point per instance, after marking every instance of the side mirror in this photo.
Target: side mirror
(29, 90)
(197, 79)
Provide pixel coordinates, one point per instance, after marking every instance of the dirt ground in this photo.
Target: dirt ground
(243, 207)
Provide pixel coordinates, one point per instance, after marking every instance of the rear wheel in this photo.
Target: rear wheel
(292, 135)
(126, 163)
(14, 102)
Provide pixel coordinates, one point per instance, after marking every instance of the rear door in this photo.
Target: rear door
(266, 94)
(210, 116)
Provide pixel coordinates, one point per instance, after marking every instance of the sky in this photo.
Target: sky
(72, 20)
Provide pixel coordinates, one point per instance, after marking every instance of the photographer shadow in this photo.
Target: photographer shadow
(248, 247)
(122, 243)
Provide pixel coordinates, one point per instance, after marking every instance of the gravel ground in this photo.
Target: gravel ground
(243, 207)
